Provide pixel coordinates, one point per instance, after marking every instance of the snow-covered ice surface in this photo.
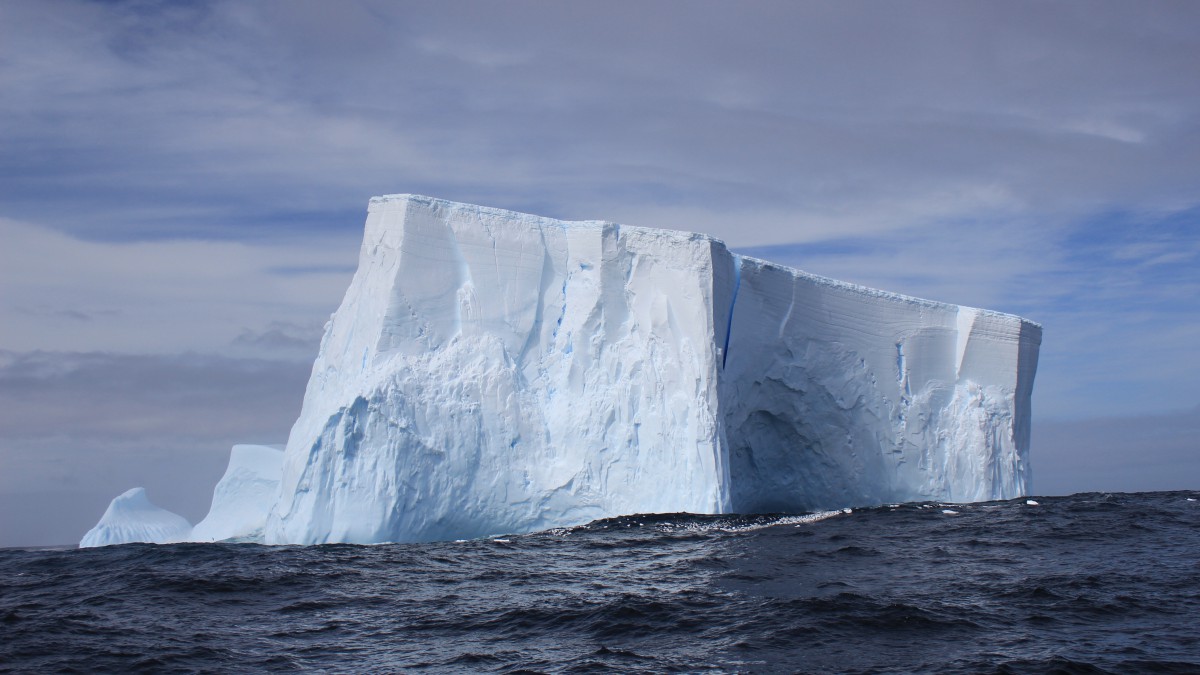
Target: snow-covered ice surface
(492, 372)
(132, 518)
(243, 497)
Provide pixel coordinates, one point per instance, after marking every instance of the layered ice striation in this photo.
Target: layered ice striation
(491, 371)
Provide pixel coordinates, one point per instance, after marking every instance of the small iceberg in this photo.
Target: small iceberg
(133, 518)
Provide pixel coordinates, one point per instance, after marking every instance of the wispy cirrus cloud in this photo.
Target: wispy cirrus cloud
(785, 123)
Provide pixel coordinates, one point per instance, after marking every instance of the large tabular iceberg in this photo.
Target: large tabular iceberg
(492, 372)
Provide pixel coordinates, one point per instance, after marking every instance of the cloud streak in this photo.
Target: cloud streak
(803, 120)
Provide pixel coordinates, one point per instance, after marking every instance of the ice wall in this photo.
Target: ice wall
(834, 394)
(244, 496)
(490, 372)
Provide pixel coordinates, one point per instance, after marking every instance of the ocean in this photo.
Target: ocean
(1092, 583)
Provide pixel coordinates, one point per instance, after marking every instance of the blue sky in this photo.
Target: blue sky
(183, 186)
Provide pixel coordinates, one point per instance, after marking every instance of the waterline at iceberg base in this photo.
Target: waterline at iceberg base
(495, 372)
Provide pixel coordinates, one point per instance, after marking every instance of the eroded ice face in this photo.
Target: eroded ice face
(492, 372)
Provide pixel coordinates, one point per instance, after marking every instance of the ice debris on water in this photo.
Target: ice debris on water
(494, 372)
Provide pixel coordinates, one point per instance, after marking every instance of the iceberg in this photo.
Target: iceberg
(495, 372)
(133, 518)
(243, 497)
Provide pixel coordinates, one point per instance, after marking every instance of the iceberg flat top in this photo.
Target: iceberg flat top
(402, 199)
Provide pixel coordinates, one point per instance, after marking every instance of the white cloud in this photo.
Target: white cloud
(62, 293)
(824, 117)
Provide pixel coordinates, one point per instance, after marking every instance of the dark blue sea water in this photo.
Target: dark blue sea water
(1092, 583)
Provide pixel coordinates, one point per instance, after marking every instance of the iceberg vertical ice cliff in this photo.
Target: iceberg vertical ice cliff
(491, 372)
(243, 497)
(834, 394)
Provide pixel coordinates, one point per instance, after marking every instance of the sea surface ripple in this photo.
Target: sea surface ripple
(1093, 583)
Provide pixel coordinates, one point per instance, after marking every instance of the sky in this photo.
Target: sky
(183, 187)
